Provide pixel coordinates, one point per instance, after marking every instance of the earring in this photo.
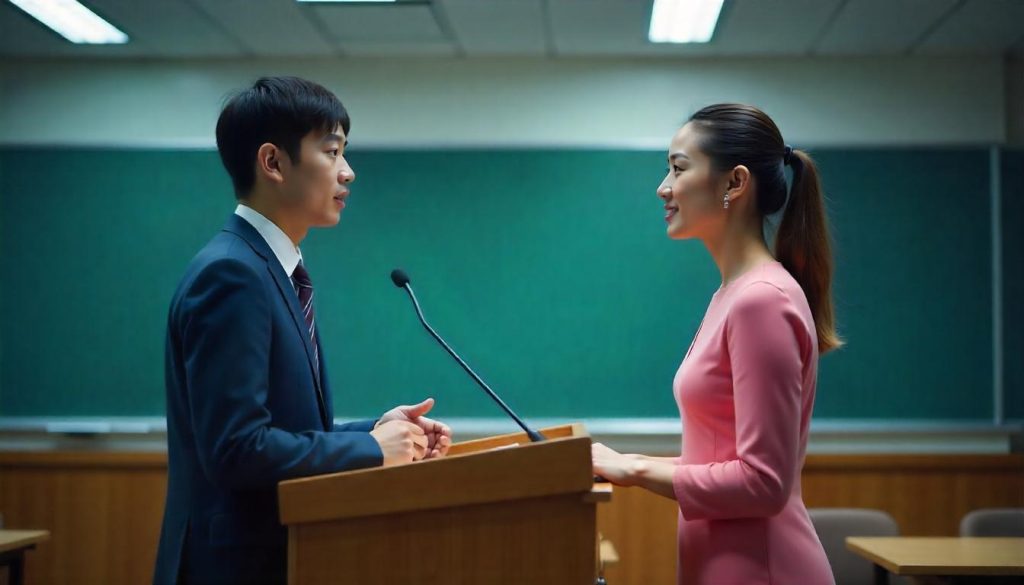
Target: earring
(725, 202)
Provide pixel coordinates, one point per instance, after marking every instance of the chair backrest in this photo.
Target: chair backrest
(833, 525)
(993, 522)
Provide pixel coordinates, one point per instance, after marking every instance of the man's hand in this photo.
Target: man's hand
(400, 441)
(439, 435)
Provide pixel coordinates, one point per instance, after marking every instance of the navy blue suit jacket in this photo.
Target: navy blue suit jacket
(243, 413)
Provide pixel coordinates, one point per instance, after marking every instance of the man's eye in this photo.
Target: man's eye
(333, 152)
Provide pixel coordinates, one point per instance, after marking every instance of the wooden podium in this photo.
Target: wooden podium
(494, 511)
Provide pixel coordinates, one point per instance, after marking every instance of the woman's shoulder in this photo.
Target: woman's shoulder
(770, 288)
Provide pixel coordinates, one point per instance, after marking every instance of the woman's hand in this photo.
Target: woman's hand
(614, 466)
(651, 473)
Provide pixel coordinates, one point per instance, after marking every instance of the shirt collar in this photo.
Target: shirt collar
(287, 253)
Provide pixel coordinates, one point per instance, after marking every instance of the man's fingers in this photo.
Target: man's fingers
(432, 426)
(414, 428)
(418, 410)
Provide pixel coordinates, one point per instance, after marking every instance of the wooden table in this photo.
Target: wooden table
(923, 556)
(13, 544)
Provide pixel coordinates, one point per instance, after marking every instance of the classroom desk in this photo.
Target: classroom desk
(13, 544)
(939, 558)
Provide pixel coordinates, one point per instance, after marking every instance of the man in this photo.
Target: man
(248, 398)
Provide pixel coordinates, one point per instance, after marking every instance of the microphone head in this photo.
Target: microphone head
(399, 277)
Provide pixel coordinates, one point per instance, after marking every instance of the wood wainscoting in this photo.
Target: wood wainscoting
(103, 509)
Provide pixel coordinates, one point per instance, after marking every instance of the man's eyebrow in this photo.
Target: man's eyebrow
(333, 138)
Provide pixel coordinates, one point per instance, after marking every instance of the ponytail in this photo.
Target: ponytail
(802, 246)
(738, 134)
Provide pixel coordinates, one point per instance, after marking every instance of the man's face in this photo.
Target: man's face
(318, 184)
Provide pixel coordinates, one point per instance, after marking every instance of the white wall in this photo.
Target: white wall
(508, 102)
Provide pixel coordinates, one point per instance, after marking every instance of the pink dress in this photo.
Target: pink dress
(745, 392)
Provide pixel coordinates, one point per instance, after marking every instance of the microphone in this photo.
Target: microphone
(401, 280)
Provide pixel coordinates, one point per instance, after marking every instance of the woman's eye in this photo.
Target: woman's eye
(676, 170)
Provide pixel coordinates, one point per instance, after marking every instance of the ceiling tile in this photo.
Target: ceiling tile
(746, 27)
(168, 29)
(23, 36)
(497, 27)
(399, 49)
(881, 26)
(599, 26)
(772, 27)
(979, 27)
(269, 28)
(402, 24)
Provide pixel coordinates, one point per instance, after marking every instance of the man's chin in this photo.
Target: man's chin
(328, 221)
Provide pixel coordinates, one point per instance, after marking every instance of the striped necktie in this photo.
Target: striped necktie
(304, 288)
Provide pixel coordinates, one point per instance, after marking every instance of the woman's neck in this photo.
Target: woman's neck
(738, 249)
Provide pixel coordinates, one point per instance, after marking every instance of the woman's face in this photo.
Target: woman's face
(692, 191)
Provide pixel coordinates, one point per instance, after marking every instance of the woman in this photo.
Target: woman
(745, 389)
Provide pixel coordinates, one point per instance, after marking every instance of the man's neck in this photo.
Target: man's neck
(262, 204)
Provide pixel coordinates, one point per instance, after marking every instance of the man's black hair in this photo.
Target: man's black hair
(278, 110)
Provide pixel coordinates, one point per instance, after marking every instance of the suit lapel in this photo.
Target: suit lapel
(243, 229)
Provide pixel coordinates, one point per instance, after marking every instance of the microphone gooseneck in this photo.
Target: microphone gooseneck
(401, 280)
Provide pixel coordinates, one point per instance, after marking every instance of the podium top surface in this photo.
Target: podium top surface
(505, 467)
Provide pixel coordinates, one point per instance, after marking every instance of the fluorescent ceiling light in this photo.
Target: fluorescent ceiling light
(684, 21)
(73, 21)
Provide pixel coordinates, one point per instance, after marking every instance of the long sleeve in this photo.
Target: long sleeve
(363, 426)
(225, 329)
(766, 342)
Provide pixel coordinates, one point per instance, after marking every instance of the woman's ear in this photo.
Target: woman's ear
(739, 182)
(268, 162)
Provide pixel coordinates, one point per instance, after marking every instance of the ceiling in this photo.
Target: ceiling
(174, 29)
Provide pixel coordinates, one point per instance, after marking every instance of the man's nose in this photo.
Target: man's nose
(346, 175)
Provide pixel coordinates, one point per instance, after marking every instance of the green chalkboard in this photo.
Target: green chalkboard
(548, 270)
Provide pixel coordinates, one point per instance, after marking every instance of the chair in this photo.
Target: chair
(833, 525)
(993, 522)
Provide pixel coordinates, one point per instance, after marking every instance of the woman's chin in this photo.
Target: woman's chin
(676, 232)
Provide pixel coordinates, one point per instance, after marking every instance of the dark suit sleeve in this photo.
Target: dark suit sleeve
(225, 323)
(363, 426)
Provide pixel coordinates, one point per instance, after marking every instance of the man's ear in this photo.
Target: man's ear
(269, 162)
(739, 182)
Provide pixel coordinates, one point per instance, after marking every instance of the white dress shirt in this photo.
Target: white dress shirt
(288, 254)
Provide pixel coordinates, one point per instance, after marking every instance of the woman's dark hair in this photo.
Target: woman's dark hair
(278, 110)
(737, 134)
